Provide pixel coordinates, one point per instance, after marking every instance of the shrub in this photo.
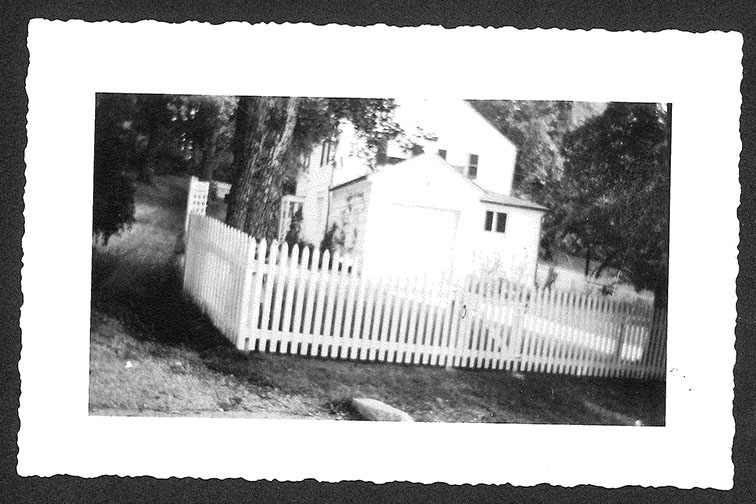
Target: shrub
(113, 197)
(292, 235)
(333, 239)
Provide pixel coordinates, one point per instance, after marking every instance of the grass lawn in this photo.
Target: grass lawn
(152, 352)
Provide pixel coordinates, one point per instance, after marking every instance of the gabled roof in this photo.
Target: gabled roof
(489, 123)
(503, 199)
(350, 182)
(432, 158)
(486, 196)
(455, 105)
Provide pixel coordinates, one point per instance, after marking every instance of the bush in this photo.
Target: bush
(113, 202)
(113, 198)
(295, 226)
(333, 239)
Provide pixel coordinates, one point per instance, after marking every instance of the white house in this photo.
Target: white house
(446, 210)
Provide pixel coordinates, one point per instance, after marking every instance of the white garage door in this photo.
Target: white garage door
(417, 240)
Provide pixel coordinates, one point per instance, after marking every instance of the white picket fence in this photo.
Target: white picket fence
(299, 301)
(196, 200)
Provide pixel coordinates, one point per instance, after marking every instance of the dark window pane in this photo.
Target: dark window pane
(489, 221)
(442, 153)
(472, 166)
(501, 222)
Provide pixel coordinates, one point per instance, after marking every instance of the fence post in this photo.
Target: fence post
(460, 326)
(621, 337)
(188, 256)
(246, 294)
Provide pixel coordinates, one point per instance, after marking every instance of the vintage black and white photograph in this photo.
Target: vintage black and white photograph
(433, 260)
(495, 260)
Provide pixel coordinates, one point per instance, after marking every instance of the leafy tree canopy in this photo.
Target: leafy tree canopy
(613, 197)
(603, 170)
(113, 198)
(136, 135)
(538, 129)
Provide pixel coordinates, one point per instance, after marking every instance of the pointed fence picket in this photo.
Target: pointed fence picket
(269, 297)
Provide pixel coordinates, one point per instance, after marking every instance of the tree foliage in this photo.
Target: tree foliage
(613, 197)
(538, 129)
(113, 197)
(273, 133)
(206, 124)
(604, 173)
(177, 133)
(152, 121)
(137, 135)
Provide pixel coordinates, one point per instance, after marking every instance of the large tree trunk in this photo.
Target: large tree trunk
(264, 129)
(208, 156)
(587, 262)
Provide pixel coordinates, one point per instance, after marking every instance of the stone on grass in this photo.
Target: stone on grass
(372, 409)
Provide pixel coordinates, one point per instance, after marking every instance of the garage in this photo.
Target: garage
(414, 240)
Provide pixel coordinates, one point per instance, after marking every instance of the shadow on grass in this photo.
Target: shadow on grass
(147, 296)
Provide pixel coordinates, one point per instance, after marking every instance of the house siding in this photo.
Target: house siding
(422, 206)
(421, 183)
(460, 131)
(514, 253)
(312, 186)
(315, 181)
(349, 211)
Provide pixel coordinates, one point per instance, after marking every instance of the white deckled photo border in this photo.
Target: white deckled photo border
(70, 61)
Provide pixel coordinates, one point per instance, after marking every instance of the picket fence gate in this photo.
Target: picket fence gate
(268, 297)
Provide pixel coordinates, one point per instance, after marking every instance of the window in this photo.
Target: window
(328, 153)
(290, 205)
(501, 222)
(442, 153)
(331, 151)
(489, 221)
(323, 153)
(472, 166)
